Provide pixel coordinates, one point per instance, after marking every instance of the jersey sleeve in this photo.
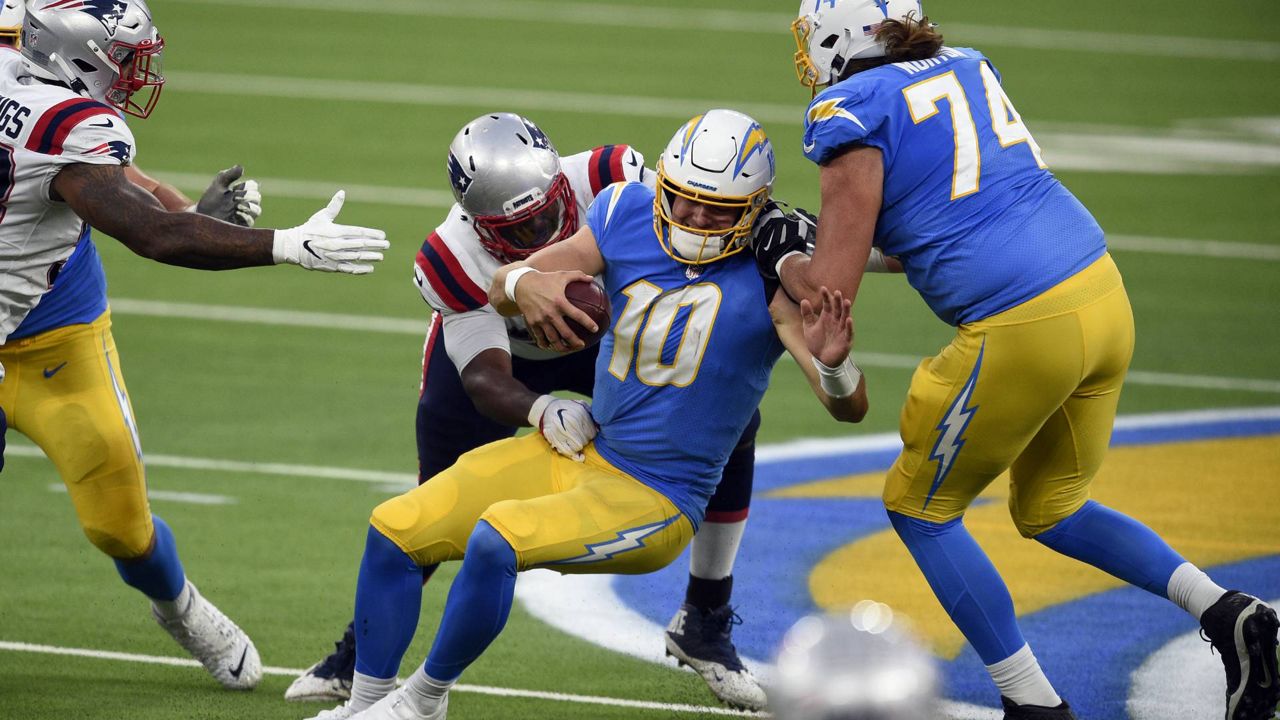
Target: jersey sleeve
(609, 164)
(840, 117)
(472, 332)
(83, 131)
(442, 280)
(610, 204)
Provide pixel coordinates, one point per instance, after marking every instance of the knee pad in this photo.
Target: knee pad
(123, 541)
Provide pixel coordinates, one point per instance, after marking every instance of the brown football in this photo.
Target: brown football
(591, 299)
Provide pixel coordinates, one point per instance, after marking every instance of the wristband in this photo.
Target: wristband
(840, 381)
(513, 277)
(539, 406)
(777, 267)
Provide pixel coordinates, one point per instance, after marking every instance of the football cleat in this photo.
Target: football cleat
(342, 712)
(1014, 711)
(220, 646)
(1243, 630)
(702, 641)
(330, 679)
(398, 706)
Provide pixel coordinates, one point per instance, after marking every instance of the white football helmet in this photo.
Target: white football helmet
(859, 665)
(12, 13)
(107, 50)
(721, 158)
(830, 33)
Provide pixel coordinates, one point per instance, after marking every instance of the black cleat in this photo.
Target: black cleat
(1014, 711)
(1243, 630)
(702, 640)
(330, 679)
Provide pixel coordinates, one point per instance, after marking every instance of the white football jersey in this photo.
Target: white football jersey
(453, 270)
(42, 129)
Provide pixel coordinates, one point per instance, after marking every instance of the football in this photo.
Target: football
(590, 298)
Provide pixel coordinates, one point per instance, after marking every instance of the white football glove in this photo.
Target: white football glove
(320, 244)
(566, 424)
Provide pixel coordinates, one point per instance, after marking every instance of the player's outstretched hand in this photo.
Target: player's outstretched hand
(828, 331)
(778, 233)
(540, 297)
(566, 424)
(320, 244)
(235, 202)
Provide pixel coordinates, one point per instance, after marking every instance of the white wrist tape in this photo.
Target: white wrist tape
(539, 406)
(840, 381)
(513, 277)
(876, 262)
(777, 267)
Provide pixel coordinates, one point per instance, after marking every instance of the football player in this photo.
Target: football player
(483, 377)
(68, 156)
(678, 378)
(998, 248)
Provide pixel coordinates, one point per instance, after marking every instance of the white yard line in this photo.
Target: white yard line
(465, 688)
(405, 326)
(189, 498)
(686, 19)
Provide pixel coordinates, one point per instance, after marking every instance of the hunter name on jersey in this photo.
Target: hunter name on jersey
(51, 127)
(453, 270)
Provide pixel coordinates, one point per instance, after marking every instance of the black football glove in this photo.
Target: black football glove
(230, 201)
(778, 233)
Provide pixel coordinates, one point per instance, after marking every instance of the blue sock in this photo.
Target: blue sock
(158, 574)
(388, 600)
(1116, 544)
(966, 583)
(478, 605)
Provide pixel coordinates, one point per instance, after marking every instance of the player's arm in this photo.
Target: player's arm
(103, 196)
(819, 340)
(226, 198)
(852, 192)
(535, 288)
(169, 196)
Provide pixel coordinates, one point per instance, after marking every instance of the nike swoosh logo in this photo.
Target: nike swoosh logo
(306, 245)
(560, 416)
(50, 373)
(808, 147)
(107, 123)
(631, 160)
(235, 672)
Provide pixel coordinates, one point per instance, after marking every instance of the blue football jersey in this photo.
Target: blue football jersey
(687, 358)
(78, 294)
(978, 221)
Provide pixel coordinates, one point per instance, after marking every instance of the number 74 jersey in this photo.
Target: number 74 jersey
(970, 207)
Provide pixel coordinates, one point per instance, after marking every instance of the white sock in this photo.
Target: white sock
(177, 607)
(1020, 679)
(367, 690)
(425, 691)
(715, 548)
(1192, 590)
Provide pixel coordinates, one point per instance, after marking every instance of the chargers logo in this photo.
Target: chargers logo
(458, 177)
(755, 142)
(829, 110)
(107, 12)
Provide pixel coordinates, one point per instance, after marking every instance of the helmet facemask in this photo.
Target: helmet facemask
(530, 222)
(697, 246)
(138, 75)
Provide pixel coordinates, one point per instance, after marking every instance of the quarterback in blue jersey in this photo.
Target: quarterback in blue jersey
(694, 335)
(924, 157)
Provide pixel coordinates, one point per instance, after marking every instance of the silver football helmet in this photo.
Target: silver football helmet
(11, 14)
(506, 175)
(107, 50)
(859, 665)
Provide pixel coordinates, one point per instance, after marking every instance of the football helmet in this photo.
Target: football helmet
(721, 158)
(11, 14)
(506, 175)
(858, 665)
(107, 50)
(830, 33)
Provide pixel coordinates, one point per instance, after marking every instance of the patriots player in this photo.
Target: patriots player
(923, 155)
(483, 376)
(68, 151)
(677, 381)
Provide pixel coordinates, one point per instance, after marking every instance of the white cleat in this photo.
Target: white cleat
(397, 706)
(313, 686)
(342, 712)
(220, 646)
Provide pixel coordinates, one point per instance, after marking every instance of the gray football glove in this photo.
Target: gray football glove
(230, 201)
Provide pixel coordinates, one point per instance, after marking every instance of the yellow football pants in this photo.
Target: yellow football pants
(1032, 390)
(64, 390)
(586, 517)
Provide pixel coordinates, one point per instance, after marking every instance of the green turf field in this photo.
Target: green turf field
(1166, 117)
